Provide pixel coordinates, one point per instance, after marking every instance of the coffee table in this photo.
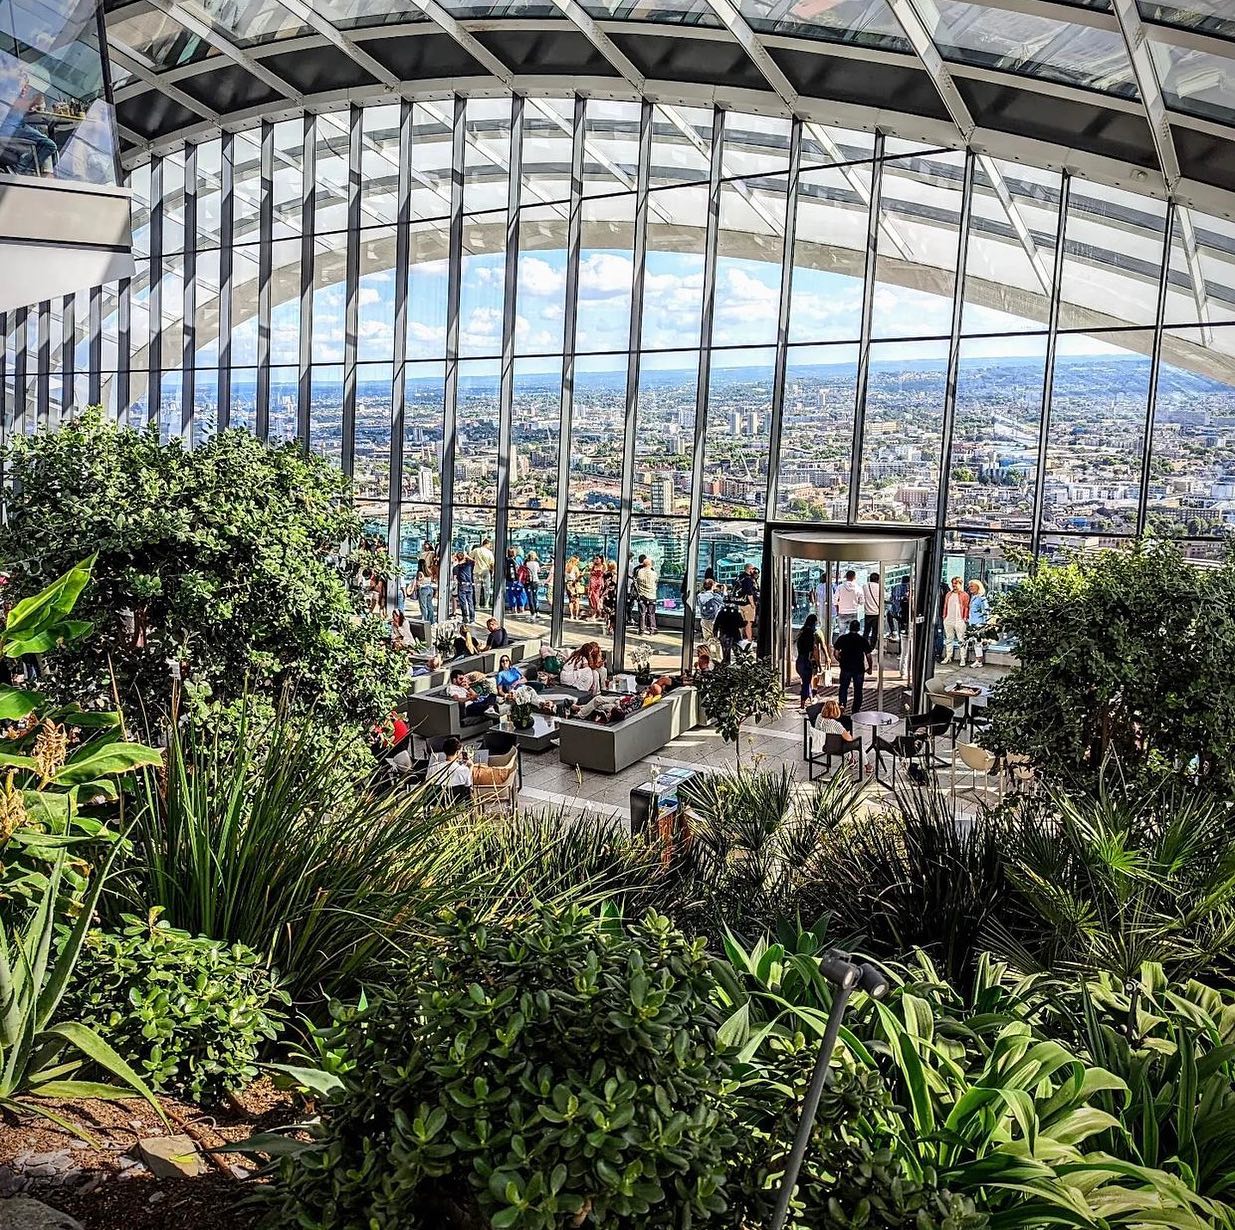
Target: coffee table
(539, 737)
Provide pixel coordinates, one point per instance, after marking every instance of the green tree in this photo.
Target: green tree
(1127, 655)
(225, 558)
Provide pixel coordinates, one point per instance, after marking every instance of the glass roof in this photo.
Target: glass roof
(1009, 43)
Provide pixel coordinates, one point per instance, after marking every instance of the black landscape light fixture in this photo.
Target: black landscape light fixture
(847, 978)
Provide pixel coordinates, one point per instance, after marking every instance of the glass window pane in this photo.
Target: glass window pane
(423, 394)
(673, 278)
(589, 536)
(244, 397)
(375, 295)
(755, 145)
(171, 287)
(1033, 44)
(748, 264)
(1192, 472)
(817, 433)
(535, 433)
(288, 177)
(285, 301)
(541, 292)
(486, 154)
(205, 403)
(284, 403)
(902, 432)
(735, 459)
(483, 282)
(371, 470)
(418, 524)
(1112, 257)
(1097, 432)
(209, 197)
(244, 305)
(330, 196)
(597, 427)
(829, 254)
(326, 410)
(1201, 282)
(247, 185)
(681, 145)
(665, 432)
(610, 147)
(996, 433)
(427, 291)
(662, 542)
(206, 316)
(379, 165)
(548, 127)
(329, 298)
(606, 274)
(172, 166)
(868, 23)
(476, 433)
(1195, 81)
(919, 218)
(1011, 260)
(1210, 16)
(430, 167)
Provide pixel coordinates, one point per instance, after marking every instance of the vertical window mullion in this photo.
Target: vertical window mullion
(864, 345)
(632, 371)
(21, 331)
(95, 364)
(574, 243)
(265, 257)
(227, 218)
(506, 388)
(351, 300)
(398, 391)
(1048, 370)
(68, 358)
(154, 298)
(42, 373)
(188, 348)
(308, 209)
(124, 340)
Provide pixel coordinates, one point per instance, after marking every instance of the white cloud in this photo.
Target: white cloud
(605, 276)
(369, 295)
(538, 277)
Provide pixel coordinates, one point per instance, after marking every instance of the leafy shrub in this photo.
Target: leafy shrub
(341, 866)
(189, 1013)
(854, 1173)
(748, 687)
(225, 557)
(558, 1071)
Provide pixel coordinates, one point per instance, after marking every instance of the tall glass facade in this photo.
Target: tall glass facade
(593, 327)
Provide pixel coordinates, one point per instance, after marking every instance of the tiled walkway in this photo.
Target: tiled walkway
(549, 784)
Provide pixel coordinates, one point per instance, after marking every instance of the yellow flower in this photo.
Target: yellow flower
(12, 808)
(51, 749)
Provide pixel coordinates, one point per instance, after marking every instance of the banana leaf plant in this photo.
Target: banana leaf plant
(40, 1056)
(58, 763)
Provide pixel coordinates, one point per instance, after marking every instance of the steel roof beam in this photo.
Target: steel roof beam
(590, 30)
(333, 35)
(204, 30)
(1149, 86)
(144, 71)
(472, 45)
(737, 25)
(918, 33)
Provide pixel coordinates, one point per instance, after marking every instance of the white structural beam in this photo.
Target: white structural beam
(472, 45)
(1149, 85)
(144, 70)
(333, 35)
(915, 29)
(198, 25)
(588, 27)
(737, 25)
(919, 36)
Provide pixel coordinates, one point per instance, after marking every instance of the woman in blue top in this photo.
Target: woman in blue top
(508, 677)
(979, 615)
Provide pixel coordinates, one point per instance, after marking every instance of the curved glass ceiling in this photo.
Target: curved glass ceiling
(989, 65)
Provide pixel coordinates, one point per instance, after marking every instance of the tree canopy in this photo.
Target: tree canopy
(1126, 654)
(225, 558)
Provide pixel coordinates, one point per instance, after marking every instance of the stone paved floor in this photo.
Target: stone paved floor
(548, 784)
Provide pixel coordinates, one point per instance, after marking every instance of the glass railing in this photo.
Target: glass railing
(55, 120)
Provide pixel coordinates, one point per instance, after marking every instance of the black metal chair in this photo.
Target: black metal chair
(821, 748)
(907, 748)
(938, 721)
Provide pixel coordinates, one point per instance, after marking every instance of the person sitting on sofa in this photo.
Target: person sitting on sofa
(453, 771)
(510, 677)
(434, 664)
(498, 637)
(462, 687)
(465, 644)
(605, 710)
(585, 669)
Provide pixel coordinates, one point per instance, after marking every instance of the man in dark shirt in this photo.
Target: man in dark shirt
(498, 637)
(853, 654)
(728, 628)
(465, 586)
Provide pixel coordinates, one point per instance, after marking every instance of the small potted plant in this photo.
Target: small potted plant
(641, 655)
(522, 702)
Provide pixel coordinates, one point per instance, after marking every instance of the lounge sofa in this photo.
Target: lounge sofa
(610, 749)
(432, 714)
